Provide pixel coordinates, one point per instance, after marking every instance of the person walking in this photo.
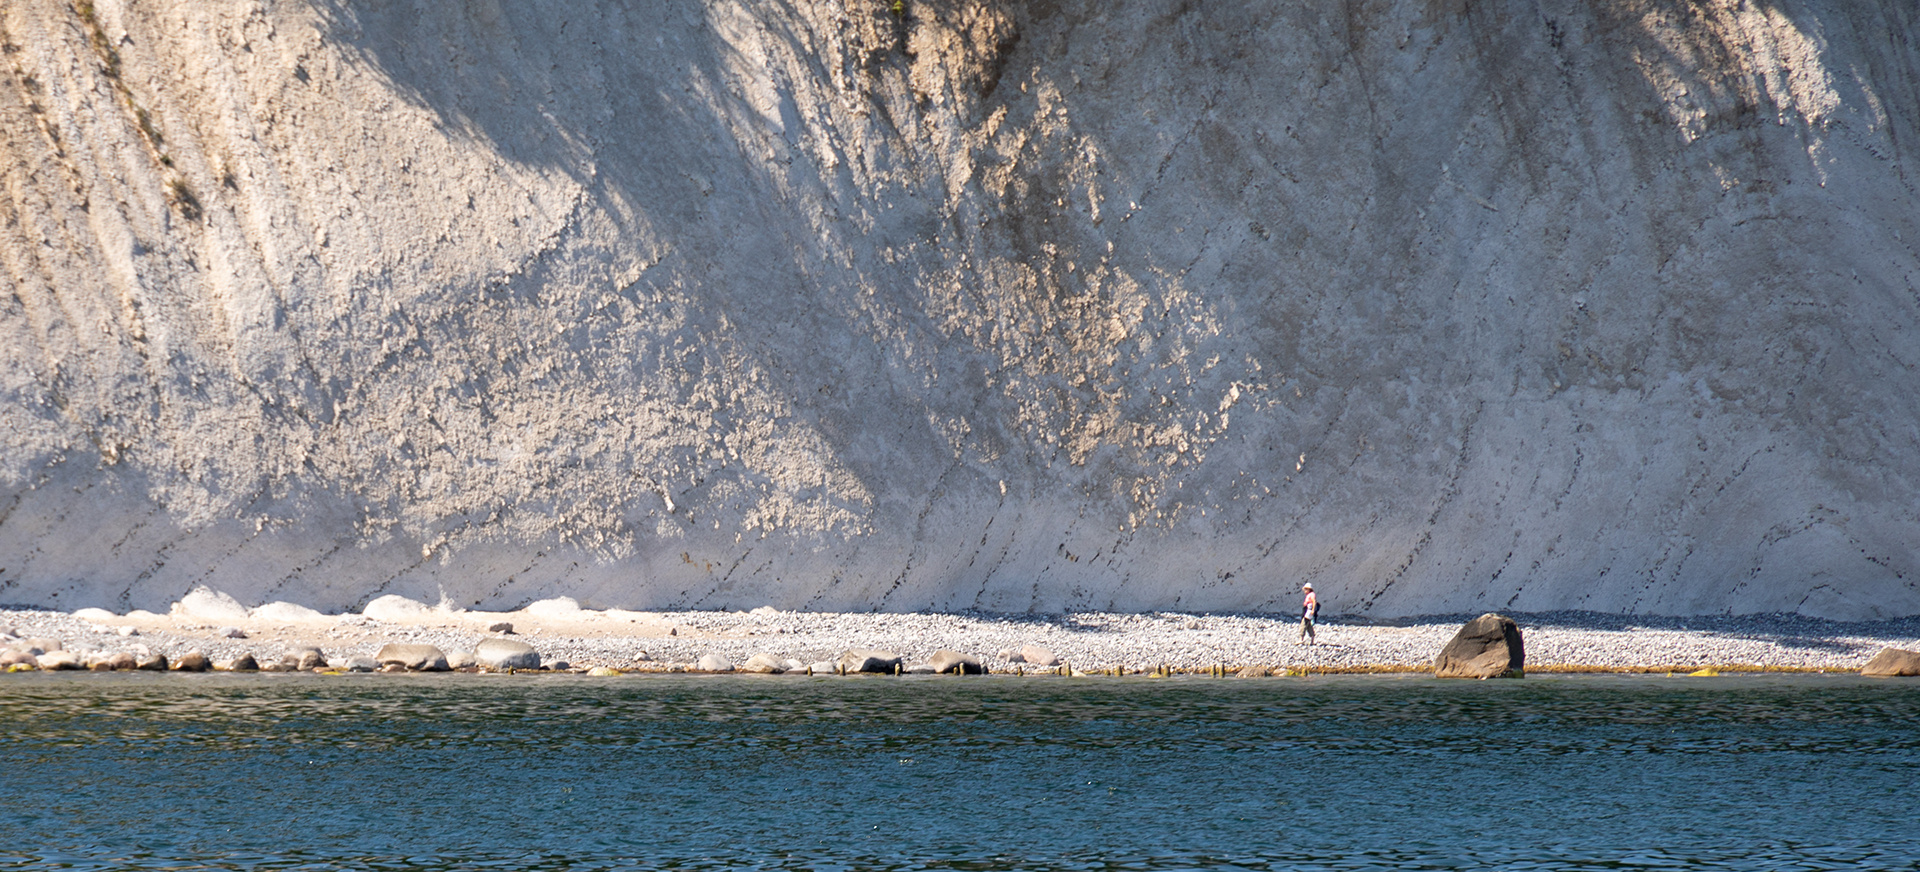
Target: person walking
(1309, 609)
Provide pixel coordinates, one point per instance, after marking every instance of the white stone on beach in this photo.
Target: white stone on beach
(500, 654)
(1037, 656)
(57, 660)
(713, 663)
(459, 659)
(565, 607)
(763, 663)
(415, 657)
(211, 606)
(394, 609)
(95, 615)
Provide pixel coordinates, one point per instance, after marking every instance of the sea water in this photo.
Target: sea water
(379, 772)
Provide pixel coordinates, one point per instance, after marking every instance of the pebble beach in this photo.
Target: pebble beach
(570, 638)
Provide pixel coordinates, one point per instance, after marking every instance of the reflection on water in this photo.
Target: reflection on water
(1352, 772)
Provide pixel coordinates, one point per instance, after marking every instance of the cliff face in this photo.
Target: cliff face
(1150, 304)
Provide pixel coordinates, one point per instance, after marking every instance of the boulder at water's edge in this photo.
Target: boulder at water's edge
(1891, 662)
(1488, 646)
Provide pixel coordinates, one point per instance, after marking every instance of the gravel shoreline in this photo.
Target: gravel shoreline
(1088, 641)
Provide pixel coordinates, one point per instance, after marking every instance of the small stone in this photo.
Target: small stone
(765, 664)
(791, 665)
(460, 660)
(392, 667)
(1037, 656)
(277, 666)
(232, 633)
(502, 627)
(713, 663)
(559, 666)
(122, 660)
(945, 661)
(1893, 662)
(503, 654)
(415, 657)
(603, 671)
(823, 667)
(152, 663)
(129, 631)
(1488, 646)
(360, 664)
(642, 657)
(869, 660)
(192, 661)
(921, 669)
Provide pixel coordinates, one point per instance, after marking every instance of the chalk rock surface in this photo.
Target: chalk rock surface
(1488, 646)
(1020, 307)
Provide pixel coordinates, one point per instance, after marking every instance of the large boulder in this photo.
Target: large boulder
(500, 654)
(868, 660)
(413, 657)
(944, 661)
(1488, 646)
(12, 656)
(1893, 662)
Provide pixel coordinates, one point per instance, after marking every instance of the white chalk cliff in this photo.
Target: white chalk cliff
(837, 304)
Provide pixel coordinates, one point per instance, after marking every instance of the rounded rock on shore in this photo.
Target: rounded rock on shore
(360, 664)
(763, 663)
(500, 654)
(869, 660)
(945, 660)
(713, 663)
(242, 663)
(1893, 662)
(54, 661)
(20, 656)
(192, 661)
(1488, 646)
(1037, 656)
(305, 657)
(459, 659)
(413, 657)
(152, 663)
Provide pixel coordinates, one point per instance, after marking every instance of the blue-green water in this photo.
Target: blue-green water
(1346, 772)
